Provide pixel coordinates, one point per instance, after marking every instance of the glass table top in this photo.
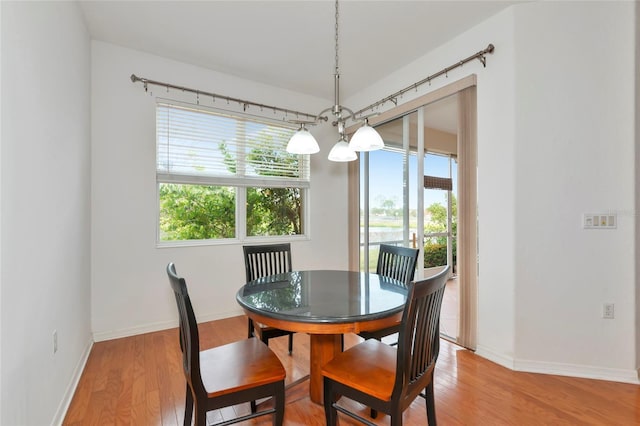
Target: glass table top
(323, 296)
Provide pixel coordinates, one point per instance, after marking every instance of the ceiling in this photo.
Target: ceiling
(289, 44)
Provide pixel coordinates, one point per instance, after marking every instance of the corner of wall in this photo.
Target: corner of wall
(1, 375)
(637, 182)
(73, 384)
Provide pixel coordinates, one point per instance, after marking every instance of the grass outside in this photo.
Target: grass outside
(373, 257)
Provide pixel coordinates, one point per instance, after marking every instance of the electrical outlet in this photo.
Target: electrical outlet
(608, 311)
(55, 341)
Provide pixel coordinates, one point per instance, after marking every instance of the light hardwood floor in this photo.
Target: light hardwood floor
(138, 381)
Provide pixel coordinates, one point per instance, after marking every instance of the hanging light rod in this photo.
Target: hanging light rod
(366, 137)
(244, 103)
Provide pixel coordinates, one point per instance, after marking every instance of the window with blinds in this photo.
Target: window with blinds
(226, 176)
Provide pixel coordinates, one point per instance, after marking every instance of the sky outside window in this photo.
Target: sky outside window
(385, 178)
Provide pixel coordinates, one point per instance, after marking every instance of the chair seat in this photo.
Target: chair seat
(239, 365)
(369, 372)
(369, 367)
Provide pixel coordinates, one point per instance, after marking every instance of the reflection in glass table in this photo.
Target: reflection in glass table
(325, 304)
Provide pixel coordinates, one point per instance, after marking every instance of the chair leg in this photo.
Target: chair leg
(188, 407)
(374, 413)
(201, 416)
(250, 331)
(290, 343)
(431, 405)
(278, 416)
(331, 414)
(396, 416)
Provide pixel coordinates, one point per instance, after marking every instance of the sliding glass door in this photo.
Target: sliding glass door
(388, 204)
(440, 236)
(407, 198)
(440, 211)
(421, 191)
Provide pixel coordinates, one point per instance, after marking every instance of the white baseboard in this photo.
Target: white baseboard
(561, 369)
(133, 331)
(574, 370)
(149, 328)
(496, 357)
(73, 384)
(223, 315)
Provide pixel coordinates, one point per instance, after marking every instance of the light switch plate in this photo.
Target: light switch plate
(600, 221)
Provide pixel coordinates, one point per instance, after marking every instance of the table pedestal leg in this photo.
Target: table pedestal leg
(323, 348)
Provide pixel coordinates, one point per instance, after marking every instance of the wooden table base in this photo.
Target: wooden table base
(323, 348)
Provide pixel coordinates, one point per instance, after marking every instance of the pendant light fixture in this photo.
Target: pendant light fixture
(302, 142)
(366, 138)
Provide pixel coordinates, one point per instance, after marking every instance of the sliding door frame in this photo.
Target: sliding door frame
(467, 222)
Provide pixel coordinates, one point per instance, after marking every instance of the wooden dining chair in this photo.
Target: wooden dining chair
(397, 263)
(226, 375)
(260, 261)
(388, 378)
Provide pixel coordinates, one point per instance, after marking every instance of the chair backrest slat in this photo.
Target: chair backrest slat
(398, 263)
(263, 260)
(419, 337)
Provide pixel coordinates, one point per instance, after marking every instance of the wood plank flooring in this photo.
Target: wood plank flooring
(138, 381)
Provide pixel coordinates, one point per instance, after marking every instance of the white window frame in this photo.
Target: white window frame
(240, 183)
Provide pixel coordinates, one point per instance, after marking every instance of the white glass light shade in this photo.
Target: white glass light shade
(302, 142)
(341, 152)
(366, 138)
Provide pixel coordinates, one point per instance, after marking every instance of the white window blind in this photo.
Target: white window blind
(201, 146)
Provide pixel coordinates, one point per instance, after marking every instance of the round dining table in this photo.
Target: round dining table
(324, 304)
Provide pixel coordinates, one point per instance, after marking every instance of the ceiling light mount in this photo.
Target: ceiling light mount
(368, 140)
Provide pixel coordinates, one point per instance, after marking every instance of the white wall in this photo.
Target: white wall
(45, 208)
(130, 290)
(541, 100)
(575, 154)
(556, 119)
(0, 212)
(637, 186)
(556, 139)
(496, 152)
